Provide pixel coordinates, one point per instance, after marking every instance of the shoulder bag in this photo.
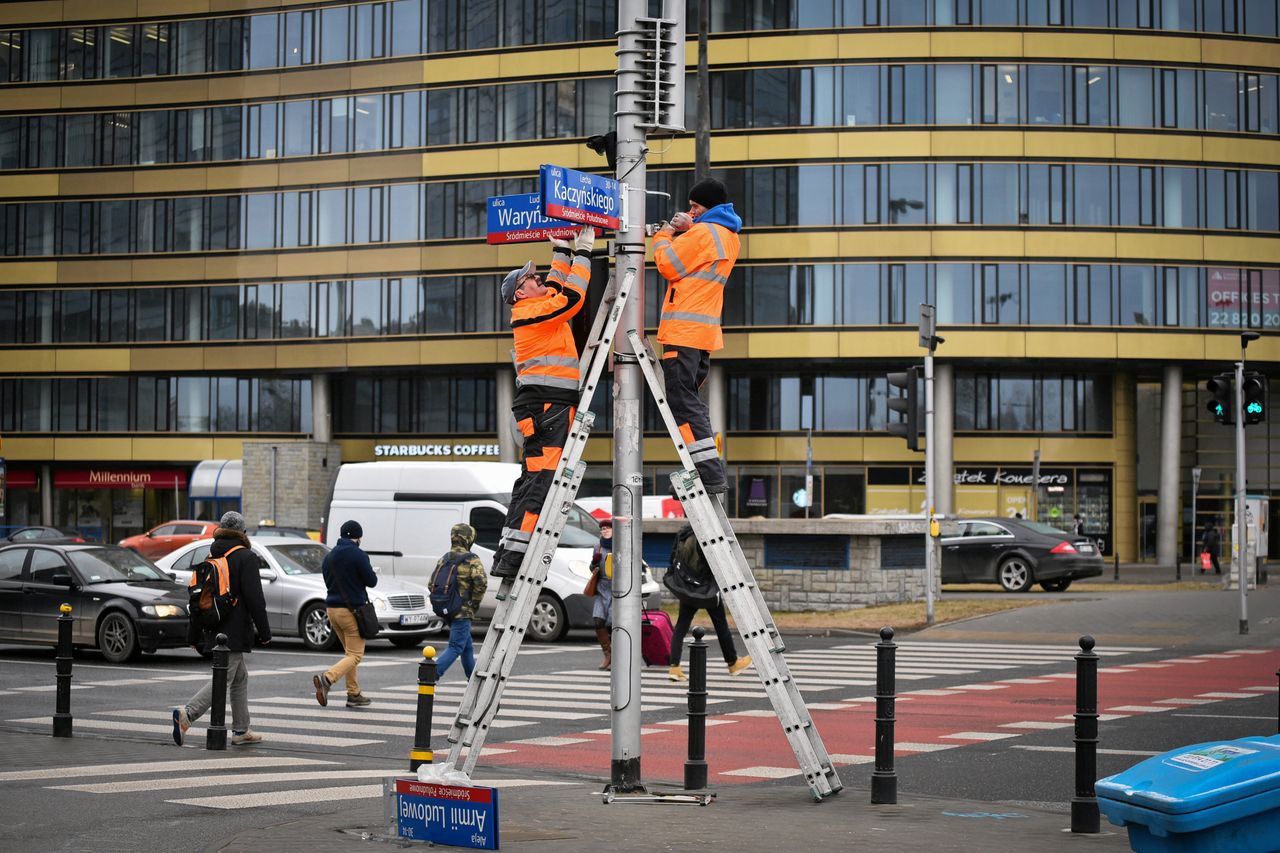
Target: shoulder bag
(366, 617)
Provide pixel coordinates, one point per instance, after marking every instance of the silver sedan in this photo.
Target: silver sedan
(295, 592)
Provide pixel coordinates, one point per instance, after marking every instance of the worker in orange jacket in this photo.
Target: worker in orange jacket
(547, 376)
(695, 254)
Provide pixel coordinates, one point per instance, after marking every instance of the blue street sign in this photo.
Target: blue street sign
(519, 219)
(580, 197)
(452, 815)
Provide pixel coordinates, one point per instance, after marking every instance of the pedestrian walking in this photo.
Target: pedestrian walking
(348, 575)
(1211, 544)
(547, 376)
(601, 587)
(695, 253)
(246, 618)
(687, 556)
(1079, 525)
(471, 584)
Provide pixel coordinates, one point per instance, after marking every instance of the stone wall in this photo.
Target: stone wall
(304, 475)
(884, 565)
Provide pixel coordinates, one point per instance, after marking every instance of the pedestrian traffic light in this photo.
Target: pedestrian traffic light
(1255, 398)
(1220, 393)
(606, 145)
(906, 404)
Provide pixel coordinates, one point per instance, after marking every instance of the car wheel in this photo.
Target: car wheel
(117, 637)
(405, 642)
(549, 621)
(1055, 586)
(317, 633)
(1015, 575)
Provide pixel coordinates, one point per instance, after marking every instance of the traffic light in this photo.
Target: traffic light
(606, 145)
(1255, 398)
(1220, 393)
(907, 404)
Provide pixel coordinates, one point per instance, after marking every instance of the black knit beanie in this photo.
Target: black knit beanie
(708, 192)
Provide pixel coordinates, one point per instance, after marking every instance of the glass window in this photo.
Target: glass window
(369, 123)
(191, 51)
(861, 95)
(1220, 108)
(1046, 294)
(299, 38)
(113, 226)
(332, 217)
(1262, 204)
(996, 12)
(953, 289)
(906, 190)
(193, 404)
(406, 27)
(1137, 296)
(153, 137)
(1135, 98)
(263, 32)
(999, 194)
(1046, 94)
(334, 28)
(953, 94)
(260, 223)
(297, 128)
(1092, 195)
(295, 310)
(1260, 17)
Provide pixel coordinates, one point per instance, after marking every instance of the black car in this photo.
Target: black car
(121, 603)
(40, 533)
(1016, 554)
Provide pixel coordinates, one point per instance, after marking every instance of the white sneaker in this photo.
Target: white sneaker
(246, 737)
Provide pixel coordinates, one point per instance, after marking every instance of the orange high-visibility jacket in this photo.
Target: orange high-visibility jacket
(696, 266)
(546, 355)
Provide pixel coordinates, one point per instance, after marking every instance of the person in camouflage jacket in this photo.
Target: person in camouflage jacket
(472, 583)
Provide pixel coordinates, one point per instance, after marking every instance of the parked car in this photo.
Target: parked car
(120, 602)
(39, 533)
(158, 541)
(1016, 553)
(295, 592)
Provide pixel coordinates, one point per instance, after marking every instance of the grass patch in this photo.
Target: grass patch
(1097, 586)
(903, 617)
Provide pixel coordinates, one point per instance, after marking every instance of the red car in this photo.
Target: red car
(170, 536)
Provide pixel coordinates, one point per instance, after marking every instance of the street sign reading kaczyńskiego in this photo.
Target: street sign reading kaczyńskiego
(519, 219)
(580, 197)
(452, 815)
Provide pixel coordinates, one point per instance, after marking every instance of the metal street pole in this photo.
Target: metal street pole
(702, 130)
(1241, 542)
(1195, 490)
(929, 340)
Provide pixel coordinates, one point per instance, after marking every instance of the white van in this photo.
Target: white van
(407, 508)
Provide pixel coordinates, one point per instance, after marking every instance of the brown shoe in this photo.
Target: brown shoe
(358, 701)
(322, 689)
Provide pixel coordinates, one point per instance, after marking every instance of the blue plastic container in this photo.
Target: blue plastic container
(1217, 797)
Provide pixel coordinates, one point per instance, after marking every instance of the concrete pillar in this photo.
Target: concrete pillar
(716, 389)
(505, 380)
(1168, 509)
(46, 496)
(944, 429)
(321, 409)
(1124, 509)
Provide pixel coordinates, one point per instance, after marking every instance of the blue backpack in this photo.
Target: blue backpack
(446, 591)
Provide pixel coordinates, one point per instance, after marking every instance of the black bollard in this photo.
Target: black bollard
(884, 780)
(62, 708)
(215, 736)
(695, 769)
(1178, 564)
(1084, 805)
(421, 752)
(1116, 559)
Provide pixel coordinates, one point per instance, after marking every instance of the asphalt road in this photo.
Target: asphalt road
(984, 715)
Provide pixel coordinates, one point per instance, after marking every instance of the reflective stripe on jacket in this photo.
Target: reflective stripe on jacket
(696, 266)
(546, 355)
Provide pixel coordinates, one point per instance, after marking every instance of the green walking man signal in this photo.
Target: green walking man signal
(907, 404)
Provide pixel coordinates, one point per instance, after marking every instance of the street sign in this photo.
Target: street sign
(519, 219)
(580, 197)
(452, 815)
(928, 325)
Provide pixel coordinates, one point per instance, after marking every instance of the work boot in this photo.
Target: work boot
(358, 701)
(676, 673)
(740, 664)
(606, 644)
(507, 567)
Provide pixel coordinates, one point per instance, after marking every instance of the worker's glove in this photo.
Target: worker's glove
(682, 221)
(586, 239)
(561, 245)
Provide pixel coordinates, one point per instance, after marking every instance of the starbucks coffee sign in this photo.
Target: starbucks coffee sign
(435, 451)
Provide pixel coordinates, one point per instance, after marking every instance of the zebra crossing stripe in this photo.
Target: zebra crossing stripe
(166, 783)
(166, 731)
(327, 795)
(138, 768)
(264, 723)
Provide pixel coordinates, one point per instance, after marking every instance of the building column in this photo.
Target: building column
(321, 409)
(1124, 490)
(505, 381)
(1168, 510)
(944, 435)
(46, 496)
(717, 395)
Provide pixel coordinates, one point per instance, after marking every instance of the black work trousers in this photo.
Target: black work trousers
(718, 621)
(545, 427)
(684, 369)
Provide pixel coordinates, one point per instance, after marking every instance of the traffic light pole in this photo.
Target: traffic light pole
(930, 486)
(1242, 532)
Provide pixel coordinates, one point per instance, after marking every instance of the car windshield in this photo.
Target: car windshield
(1041, 527)
(299, 558)
(580, 530)
(114, 565)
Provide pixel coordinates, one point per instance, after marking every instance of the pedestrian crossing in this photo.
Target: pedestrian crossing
(233, 782)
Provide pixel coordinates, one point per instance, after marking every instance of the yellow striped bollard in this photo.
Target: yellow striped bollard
(421, 752)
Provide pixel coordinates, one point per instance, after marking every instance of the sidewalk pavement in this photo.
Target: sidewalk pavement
(764, 817)
(1150, 573)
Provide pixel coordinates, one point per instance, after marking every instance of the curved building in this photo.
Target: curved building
(230, 226)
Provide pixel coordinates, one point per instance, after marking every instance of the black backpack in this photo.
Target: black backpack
(446, 591)
(689, 578)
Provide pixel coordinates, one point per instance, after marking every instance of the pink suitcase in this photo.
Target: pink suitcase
(655, 637)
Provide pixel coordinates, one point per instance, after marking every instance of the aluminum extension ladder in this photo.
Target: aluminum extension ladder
(742, 596)
(517, 596)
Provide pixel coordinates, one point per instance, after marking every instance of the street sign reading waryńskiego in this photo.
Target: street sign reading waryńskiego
(580, 197)
(519, 219)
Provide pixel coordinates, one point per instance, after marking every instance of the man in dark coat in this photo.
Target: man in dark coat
(247, 620)
(347, 578)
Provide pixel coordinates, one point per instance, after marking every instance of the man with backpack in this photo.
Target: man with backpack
(347, 576)
(691, 581)
(226, 593)
(457, 587)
